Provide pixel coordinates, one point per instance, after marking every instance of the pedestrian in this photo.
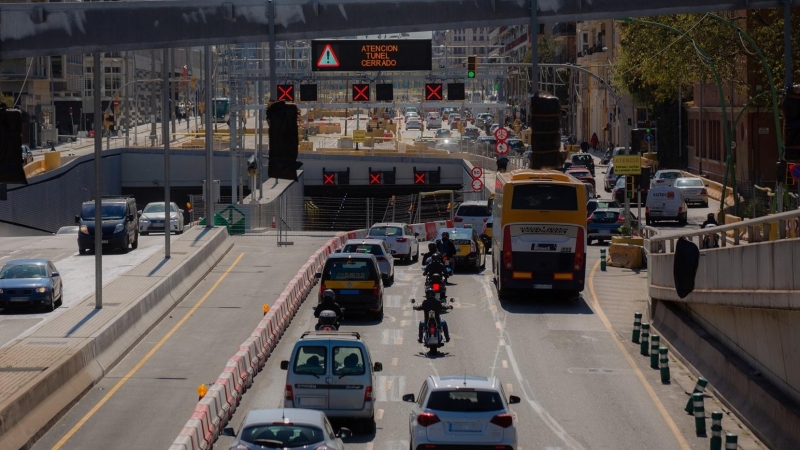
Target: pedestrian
(584, 146)
(594, 141)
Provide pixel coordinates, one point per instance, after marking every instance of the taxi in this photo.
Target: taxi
(470, 250)
(356, 280)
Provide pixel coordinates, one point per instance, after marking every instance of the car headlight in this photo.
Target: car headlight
(41, 289)
(84, 229)
(144, 220)
(119, 228)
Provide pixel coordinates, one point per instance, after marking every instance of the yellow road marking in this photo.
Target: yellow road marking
(596, 304)
(146, 357)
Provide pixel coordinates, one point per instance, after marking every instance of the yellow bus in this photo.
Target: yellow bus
(539, 238)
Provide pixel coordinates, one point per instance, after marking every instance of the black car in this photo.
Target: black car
(583, 159)
(517, 145)
(120, 224)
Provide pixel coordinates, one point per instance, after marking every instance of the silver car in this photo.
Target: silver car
(374, 247)
(287, 429)
(693, 189)
(153, 219)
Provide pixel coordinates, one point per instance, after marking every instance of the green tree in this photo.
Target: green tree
(6, 100)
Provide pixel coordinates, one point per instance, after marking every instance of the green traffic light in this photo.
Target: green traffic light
(471, 74)
(648, 131)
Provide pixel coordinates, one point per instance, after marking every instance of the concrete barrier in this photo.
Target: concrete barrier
(87, 358)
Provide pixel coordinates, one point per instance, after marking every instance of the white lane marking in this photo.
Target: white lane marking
(394, 361)
(392, 337)
(368, 446)
(378, 414)
(505, 364)
(392, 301)
(498, 325)
(510, 387)
(390, 388)
(551, 423)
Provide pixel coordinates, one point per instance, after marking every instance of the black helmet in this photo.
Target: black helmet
(437, 257)
(431, 247)
(711, 216)
(329, 294)
(445, 235)
(429, 292)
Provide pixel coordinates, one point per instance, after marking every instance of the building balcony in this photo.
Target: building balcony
(591, 50)
(520, 40)
(563, 29)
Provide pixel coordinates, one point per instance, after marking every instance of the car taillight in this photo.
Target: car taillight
(322, 289)
(647, 210)
(590, 218)
(579, 255)
(458, 219)
(376, 290)
(620, 218)
(401, 239)
(680, 210)
(507, 262)
(436, 286)
(472, 247)
(288, 394)
(502, 420)
(368, 394)
(427, 419)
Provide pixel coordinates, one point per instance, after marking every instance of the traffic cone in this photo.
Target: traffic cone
(273, 222)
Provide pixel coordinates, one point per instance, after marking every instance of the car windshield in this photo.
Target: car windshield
(693, 182)
(23, 271)
(282, 435)
(669, 175)
(582, 159)
(109, 211)
(157, 208)
(620, 182)
(473, 211)
(516, 143)
(465, 401)
(350, 269)
(363, 248)
(385, 231)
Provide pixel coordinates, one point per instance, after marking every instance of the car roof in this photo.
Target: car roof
(476, 202)
(669, 170)
(295, 415)
(456, 231)
(462, 381)
(364, 242)
(389, 224)
(19, 262)
(351, 256)
(619, 210)
(350, 336)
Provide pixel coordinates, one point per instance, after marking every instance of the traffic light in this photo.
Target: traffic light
(379, 177)
(455, 91)
(11, 170)
(420, 177)
(308, 92)
(384, 92)
(285, 92)
(472, 66)
(630, 184)
(791, 123)
(433, 91)
(283, 141)
(360, 92)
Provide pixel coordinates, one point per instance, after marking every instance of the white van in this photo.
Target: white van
(666, 203)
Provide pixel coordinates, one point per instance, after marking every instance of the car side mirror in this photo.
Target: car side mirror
(139, 213)
(228, 432)
(513, 399)
(318, 275)
(77, 219)
(344, 433)
(180, 211)
(338, 250)
(409, 398)
(377, 367)
(284, 365)
(56, 274)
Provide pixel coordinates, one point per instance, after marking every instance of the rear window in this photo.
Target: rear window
(349, 270)
(583, 159)
(465, 401)
(606, 215)
(385, 231)
(348, 361)
(311, 360)
(473, 211)
(689, 182)
(669, 175)
(289, 436)
(579, 173)
(363, 248)
(545, 197)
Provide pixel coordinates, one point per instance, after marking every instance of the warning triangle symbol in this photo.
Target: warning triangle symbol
(328, 58)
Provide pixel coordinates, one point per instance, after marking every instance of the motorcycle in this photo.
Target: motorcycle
(710, 240)
(436, 282)
(432, 337)
(448, 264)
(327, 321)
(606, 158)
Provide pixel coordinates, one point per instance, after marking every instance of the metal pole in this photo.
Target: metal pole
(98, 184)
(166, 89)
(787, 82)
(209, 203)
(171, 97)
(260, 121)
(152, 98)
(127, 103)
(273, 86)
(136, 102)
(680, 125)
(700, 142)
(234, 179)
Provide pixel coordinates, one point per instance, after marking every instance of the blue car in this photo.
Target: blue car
(30, 283)
(604, 223)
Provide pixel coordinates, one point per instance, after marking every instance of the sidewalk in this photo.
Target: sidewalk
(618, 294)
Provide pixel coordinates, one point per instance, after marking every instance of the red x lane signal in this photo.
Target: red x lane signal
(329, 178)
(419, 177)
(361, 92)
(433, 91)
(285, 92)
(375, 178)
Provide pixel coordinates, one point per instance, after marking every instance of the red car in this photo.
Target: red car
(582, 174)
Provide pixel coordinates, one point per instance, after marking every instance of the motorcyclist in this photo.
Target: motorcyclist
(328, 303)
(436, 266)
(446, 246)
(431, 250)
(711, 240)
(710, 220)
(431, 304)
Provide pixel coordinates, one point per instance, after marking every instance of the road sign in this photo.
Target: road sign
(359, 136)
(627, 165)
(476, 172)
(350, 55)
(361, 92)
(285, 92)
(501, 148)
(477, 185)
(794, 169)
(433, 91)
(235, 218)
(648, 138)
(501, 134)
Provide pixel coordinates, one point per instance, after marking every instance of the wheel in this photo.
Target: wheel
(179, 231)
(589, 241)
(416, 255)
(127, 244)
(52, 306)
(135, 243)
(82, 251)
(705, 204)
(433, 351)
(368, 425)
(391, 278)
(144, 233)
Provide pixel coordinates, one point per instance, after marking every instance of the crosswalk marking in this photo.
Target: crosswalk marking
(505, 364)
(509, 387)
(392, 301)
(379, 414)
(390, 388)
(394, 362)
(392, 337)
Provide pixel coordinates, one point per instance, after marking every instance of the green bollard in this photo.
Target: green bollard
(662, 351)
(603, 259)
(655, 343)
(699, 414)
(637, 327)
(716, 430)
(699, 387)
(644, 350)
(731, 441)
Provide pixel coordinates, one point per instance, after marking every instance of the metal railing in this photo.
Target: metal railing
(747, 232)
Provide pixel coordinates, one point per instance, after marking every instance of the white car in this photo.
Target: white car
(413, 123)
(434, 121)
(472, 214)
(665, 178)
(374, 247)
(694, 190)
(152, 218)
(666, 203)
(461, 412)
(402, 242)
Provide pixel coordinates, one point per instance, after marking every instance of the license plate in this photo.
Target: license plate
(18, 300)
(544, 247)
(543, 286)
(349, 292)
(655, 213)
(460, 426)
(105, 241)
